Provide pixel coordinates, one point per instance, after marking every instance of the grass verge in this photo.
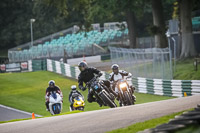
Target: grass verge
(185, 70)
(26, 91)
(146, 124)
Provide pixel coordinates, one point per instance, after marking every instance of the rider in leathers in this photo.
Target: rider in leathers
(116, 75)
(72, 94)
(52, 87)
(87, 73)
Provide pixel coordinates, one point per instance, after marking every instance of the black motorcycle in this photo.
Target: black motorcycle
(100, 92)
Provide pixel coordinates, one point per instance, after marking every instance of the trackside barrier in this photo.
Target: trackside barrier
(37, 65)
(67, 70)
(143, 85)
(167, 87)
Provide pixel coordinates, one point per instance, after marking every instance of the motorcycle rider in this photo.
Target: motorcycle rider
(117, 75)
(52, 87)
(73, 93)
(87, 73)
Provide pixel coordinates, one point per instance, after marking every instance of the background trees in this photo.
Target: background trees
(188, 48)
(159, 23)
(144, 18)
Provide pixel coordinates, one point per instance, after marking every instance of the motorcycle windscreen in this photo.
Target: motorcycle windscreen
(54, 95)
(77, 98)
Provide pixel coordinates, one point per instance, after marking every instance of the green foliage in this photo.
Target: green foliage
(52, 16)
(15, 21)
(153, 30)
(4, 52)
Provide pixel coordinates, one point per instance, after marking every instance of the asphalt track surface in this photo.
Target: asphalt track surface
(8, 113)
(102, 120)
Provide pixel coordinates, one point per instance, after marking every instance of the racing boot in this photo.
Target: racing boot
(117, 96)
(47, 106)
(132, 89)
(134, 98)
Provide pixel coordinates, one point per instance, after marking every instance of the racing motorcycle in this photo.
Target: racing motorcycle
(78, 104)
(55, 103)
(98, 89)
(125, 93)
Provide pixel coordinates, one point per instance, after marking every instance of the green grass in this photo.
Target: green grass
(146, 124)
(185, 70)
(26, 91)
(145, 98)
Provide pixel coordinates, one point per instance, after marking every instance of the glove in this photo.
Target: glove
(83, 88)
(100, 74)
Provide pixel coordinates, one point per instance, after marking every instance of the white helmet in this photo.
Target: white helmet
(115, 68)
(73, 87)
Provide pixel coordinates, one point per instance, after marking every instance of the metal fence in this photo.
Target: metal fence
(148, 63)
(53, 52)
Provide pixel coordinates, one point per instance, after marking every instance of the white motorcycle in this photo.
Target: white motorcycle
(55, 103)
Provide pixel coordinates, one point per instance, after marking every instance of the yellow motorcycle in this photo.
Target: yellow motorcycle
(79, 103)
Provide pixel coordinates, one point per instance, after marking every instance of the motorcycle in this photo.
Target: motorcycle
(98, 89)
(78, 104)
(125, 93)
(55, 103)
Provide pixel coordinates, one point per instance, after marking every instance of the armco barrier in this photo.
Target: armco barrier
(143, 85)
(167, 87)
(37, 65)
(67, 70)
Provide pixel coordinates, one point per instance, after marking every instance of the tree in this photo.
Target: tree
(159, 24)
(130, 9)
(125, 8)
(188, 48)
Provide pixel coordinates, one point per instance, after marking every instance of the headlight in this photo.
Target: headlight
(122, 85)
(96, 87)
(79, 103)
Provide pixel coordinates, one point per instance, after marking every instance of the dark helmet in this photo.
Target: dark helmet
(73, 87)
(51, 83)
(115, 68)
(82, 66)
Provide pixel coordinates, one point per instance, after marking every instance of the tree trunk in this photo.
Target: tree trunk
(131, 22)
(158, 21)
(188, 48)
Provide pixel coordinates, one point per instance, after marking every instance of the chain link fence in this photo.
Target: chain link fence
(148, 63)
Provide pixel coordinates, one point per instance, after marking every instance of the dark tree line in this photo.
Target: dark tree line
(143, 17)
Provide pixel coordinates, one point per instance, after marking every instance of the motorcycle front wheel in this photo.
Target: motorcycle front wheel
(107, 100)
(128, 98)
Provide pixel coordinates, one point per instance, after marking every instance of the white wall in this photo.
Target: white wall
(89, 59)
